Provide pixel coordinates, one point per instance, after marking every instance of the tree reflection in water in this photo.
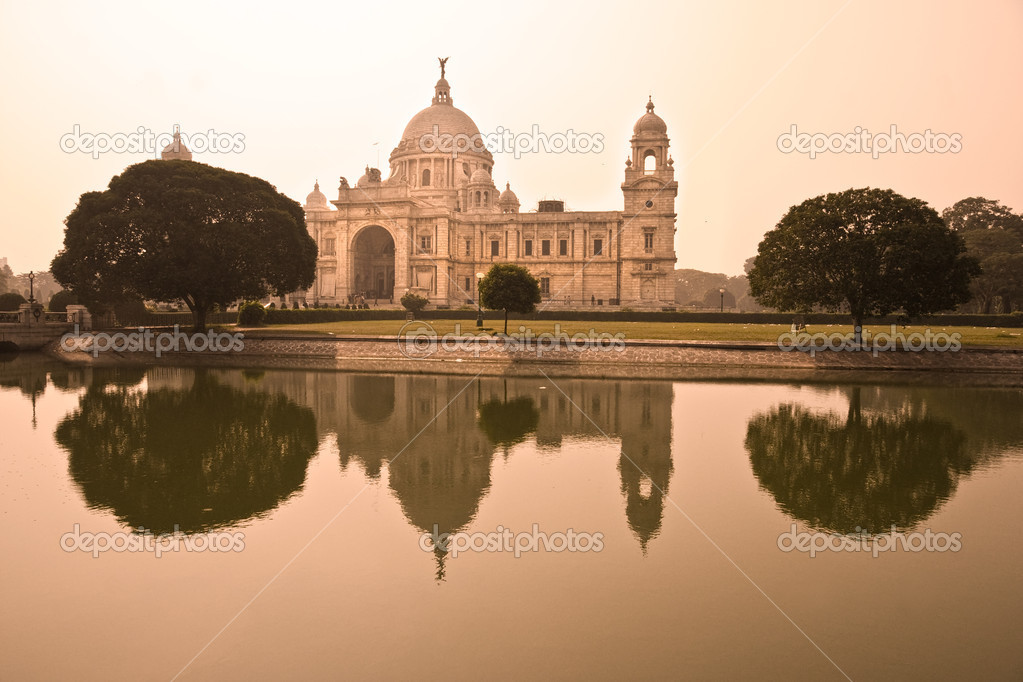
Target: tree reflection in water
(507, 422)
(198, 458)
(869, 471)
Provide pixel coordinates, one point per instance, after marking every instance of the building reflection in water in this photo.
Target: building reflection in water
(438, 435)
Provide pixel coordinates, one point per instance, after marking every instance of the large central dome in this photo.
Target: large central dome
(446, 117)
(440, 148)
(440, 118)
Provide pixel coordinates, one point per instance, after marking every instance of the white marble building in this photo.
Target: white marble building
(439, 219)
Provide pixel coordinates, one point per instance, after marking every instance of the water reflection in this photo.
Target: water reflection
(195, 457)
(885, 463)
(204, 448)
(507, 422)
(437, 435)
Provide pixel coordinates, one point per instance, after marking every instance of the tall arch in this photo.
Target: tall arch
(372, 271)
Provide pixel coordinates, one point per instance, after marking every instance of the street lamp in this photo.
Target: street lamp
(479, 305)
(722, 299)
(31, 287)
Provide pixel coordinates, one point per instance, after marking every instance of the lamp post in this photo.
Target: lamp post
(31, 287)
(722, 299)
(479, 305)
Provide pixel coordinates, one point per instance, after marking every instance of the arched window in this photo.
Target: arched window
(477, 197)
(426, 177)
(649, 162)
(486, 198)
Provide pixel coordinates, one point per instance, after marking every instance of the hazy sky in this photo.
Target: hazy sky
(313, 86)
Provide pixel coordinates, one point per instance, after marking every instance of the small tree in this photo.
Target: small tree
(509, 288)
(867, 251)
(413, 302)
(251, 314)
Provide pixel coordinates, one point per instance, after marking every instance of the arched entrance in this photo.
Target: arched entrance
(373, 264)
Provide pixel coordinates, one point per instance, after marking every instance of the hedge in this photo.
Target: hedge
(319, 315)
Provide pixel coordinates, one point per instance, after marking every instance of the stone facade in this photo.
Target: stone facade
(439, 219)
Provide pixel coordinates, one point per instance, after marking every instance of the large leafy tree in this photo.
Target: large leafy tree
(994, 236)
(865, 251)
(181, 230)
(509, 288)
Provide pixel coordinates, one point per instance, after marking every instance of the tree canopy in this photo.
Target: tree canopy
(182, 230)
(865, 251)
(994, 236)
(509, 288)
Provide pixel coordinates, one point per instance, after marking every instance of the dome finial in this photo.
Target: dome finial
(442, 91)
(650, 104)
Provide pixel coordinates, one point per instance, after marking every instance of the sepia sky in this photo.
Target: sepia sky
(320, 90)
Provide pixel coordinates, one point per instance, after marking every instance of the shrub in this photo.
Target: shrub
(61, 300)
(413, 302)
(251, 314)
(11, 300)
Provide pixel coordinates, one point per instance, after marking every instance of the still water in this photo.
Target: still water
(665, 503)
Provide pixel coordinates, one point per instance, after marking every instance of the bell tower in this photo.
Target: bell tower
(648, 231)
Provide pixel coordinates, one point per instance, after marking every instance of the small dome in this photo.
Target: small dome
(176, 150)
(316, 198)
(480, 176)
(508, 196)
(650, 122)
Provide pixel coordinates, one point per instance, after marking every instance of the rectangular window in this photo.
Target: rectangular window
(648, 241)
(563, 247)
(648, 266)
(495, 247)
(468, 247)
(598, 247)
(545, 286)
(426, 244)
(528, 247)
(328, 246)
(468, 285)
(545, 247)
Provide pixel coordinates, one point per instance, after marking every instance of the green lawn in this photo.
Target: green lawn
(689, 331)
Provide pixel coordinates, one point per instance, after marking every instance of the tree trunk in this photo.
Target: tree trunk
(506, 322)
(199, 316)
(858, 328)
